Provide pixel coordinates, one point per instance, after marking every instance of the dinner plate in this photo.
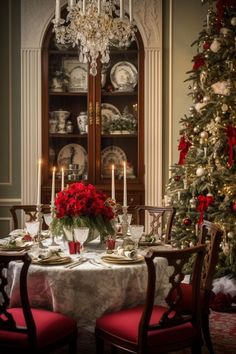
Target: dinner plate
(112, 155)
(73, 154)
(109, 113)
(124, 76)
(78, 74)
(53, 261)
(14, 248)
(122, 260)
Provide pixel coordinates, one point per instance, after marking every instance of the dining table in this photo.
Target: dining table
(86, 290)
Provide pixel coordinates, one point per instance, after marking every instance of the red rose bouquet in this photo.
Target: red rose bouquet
(82, 205)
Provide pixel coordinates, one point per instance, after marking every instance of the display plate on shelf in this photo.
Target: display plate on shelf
(109, 113)
(112, 155)
(124, 76)
(78, 74)
(73, 154)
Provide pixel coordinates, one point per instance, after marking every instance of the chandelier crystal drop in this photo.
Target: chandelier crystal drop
(93, 26)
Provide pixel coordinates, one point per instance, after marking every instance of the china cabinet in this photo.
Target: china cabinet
(90, 123)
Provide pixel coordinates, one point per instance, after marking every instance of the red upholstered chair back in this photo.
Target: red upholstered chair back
(7, 322)
(160, 220)
(172, 316)
(211, 234)
(29, 214)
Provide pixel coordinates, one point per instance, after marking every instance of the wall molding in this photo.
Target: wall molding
(170, 93)
(9, 220)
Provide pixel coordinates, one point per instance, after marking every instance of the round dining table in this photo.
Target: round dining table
(89, 289)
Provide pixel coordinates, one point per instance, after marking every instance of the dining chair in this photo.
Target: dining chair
(29, 212)
(152, 328)
(211, 234)
(30, 330)
(160, 220)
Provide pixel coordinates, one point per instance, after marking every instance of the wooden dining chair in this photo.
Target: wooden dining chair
(160, 220)
(211, 234)
(29, 330)
(29, 214)
(151, 328)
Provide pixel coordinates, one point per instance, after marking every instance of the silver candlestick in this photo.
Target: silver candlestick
(124, 224)
(39, 218)
(52, 209)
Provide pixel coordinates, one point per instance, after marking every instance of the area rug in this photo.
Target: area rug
(223, 332)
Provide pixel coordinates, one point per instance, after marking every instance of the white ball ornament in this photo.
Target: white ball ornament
(200, 171)
(230, 234)
(224, 107)
(217, 119)
(196, 130)
(233, 21)
(204, 135)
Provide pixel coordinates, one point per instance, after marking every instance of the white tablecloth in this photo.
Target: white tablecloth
(88, 291)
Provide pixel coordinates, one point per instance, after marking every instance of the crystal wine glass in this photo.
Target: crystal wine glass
(32, 228)
(81, 235)
(48, 219)
(136, 233)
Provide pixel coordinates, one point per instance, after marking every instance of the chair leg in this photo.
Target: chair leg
(99, 345)
(206, 332)
(73, 346)
(196, 348)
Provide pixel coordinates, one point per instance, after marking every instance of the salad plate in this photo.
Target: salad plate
(122, 259)
(73, 154)
(109, 113)
(124, 76)
(112, 155)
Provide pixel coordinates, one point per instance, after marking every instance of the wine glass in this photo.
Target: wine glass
(81, 235)
(32, 228)
(48, 219)
(136, 233)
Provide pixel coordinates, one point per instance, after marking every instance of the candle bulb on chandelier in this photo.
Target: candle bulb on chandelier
(84, 5)
(57, 11)
(131, 10)
(121, 9)
(99, 7)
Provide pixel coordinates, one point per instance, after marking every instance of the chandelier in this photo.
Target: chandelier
(93, 26)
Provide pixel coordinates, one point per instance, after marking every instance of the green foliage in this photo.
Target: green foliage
(208, 170)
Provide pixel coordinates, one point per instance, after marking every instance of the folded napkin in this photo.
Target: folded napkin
(126, 252)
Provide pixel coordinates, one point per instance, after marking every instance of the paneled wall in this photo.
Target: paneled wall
(168, 28)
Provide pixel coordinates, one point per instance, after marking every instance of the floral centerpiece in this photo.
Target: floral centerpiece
(82, 205)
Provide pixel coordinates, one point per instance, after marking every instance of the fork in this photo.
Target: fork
(75, 263)
(99, 263)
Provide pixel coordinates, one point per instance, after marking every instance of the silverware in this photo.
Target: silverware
(99, 263)
(75, 263)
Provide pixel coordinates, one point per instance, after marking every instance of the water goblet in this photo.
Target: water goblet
(32, 228)
(136, 233)
(81, 235)
(48, 219)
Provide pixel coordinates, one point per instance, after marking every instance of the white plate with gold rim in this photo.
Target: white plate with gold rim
(112, 155)
(73, 154)
(124, 76)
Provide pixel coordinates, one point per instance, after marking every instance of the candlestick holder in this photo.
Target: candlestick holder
(39, 218)
(52, 209)
(124, 224)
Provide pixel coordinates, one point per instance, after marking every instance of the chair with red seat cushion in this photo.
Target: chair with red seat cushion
(150, 328)
(25, 329)
(210, 234)
(159, 218)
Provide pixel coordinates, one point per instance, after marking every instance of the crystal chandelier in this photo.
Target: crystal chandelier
(93, 26)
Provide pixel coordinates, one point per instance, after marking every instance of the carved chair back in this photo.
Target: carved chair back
(29, 214)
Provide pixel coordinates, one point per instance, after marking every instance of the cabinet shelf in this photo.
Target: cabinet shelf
(120, 136)
(66, 136)
(66, 93)
(119, 93)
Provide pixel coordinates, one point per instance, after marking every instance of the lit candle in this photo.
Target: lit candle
(84, 5)
(130, 10)
(99, 7)
(125, 187)
(71, 3)
(39, 182)
(62, 179)
(121, 9)
(58, 10)
(53, 186)
(113, 182)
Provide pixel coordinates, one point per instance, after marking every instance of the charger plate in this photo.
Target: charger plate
(53, 261)
(121, 260)
(14, 248)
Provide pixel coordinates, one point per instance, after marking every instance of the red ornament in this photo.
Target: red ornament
(177, 178)
(233, 207)
(187, 222)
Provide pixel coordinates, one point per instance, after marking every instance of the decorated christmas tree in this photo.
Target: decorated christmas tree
(203, 183)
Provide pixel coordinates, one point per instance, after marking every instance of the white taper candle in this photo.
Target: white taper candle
(125, 187)
(84, 6)
(113, 196)
(39, 182)
(53, 186)
(62, 179)
(99, 7)
(58, 10)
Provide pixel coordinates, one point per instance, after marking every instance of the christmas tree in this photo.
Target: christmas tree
(203, 183)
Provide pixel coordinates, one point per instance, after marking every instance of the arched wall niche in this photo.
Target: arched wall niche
(36, 17)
